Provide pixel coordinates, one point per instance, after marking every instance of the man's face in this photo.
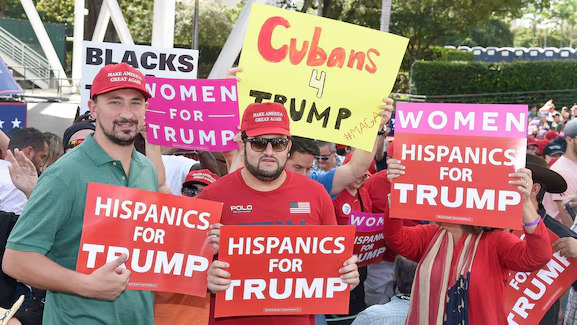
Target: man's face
(571, 146)
(192, 190)
(268, 164)
(37, 157)
(532, 150)
(300, 163)
(119, 115)
(327, 159)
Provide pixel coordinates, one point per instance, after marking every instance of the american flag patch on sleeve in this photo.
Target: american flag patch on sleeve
(300, 207)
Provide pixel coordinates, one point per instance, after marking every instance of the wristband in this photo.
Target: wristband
(382, 132)
(534, 223)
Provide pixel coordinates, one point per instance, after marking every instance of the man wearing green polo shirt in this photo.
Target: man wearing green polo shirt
(43, 247)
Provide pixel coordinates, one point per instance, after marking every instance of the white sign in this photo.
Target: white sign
(151, 61)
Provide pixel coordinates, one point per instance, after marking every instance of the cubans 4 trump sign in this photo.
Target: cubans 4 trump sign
(165, 237)
(331, 76)
(458, 158)
(284, 270)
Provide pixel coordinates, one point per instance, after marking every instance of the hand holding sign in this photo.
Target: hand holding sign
(218, 279)
(350, 272)
(567, 247)
(214, 236)
(108, 281)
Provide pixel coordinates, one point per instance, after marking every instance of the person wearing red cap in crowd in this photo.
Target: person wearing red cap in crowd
(175, 308)
(43, 247)
(532, 145)
(551, 135)
(269, 190)
(541, 144)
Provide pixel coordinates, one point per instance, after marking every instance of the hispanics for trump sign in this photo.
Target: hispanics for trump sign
(192, 114)
(284, 270)
(151, 61)
(529, 295)
(369, 239)
(458, 158)
(165, 237)
(331, 76)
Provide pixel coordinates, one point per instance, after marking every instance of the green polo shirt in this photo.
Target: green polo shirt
(51, 224)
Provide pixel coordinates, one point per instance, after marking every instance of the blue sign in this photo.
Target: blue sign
(8, 86)
(12, 115)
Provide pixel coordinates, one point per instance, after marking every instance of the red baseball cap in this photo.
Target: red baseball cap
(118, 76)
(203, 176)
(531, 141)
(265, 118)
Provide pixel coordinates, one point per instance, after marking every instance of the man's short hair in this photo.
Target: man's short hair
(332, 145)
(304, 146)
(404, 274)
(27, 137)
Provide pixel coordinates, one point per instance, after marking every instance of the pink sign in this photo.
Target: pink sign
(505, 121)
(369, 239)
(192, 114)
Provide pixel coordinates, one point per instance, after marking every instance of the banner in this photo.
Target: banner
(192, 114)
(13, 115)
(529, 295)
(151, 61)
(458, 158)
(165, 237)
(369, 239)
(284, 270)
(331, 76)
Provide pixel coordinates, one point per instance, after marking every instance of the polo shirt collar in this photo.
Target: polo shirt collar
(99, 156)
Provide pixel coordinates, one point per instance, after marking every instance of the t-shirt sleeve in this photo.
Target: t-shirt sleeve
(325, 178)
(410, 242)
(47, 210)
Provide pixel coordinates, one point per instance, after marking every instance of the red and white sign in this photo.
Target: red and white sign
(528, 295)
(369, 238)
(192, 114)
(284, 270)
(458, 158)
(165, 237)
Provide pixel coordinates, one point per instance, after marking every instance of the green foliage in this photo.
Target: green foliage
(458, 78)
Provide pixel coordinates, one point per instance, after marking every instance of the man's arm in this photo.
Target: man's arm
(206, 161)
(563, 215)
(39, 271)
(360, 160)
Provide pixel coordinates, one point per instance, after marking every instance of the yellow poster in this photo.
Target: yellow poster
(331, 76)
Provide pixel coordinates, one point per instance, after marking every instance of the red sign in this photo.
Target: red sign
(458, 159)
(164, 236)
(369, 238)
(284, 270)
(528, 295)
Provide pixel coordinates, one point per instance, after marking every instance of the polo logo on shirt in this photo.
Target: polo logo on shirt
(240, 209)
(300, 207)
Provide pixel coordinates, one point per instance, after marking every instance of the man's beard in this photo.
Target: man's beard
(119, 141)
(263, 175)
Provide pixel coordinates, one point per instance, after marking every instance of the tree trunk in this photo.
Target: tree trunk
(386, 14)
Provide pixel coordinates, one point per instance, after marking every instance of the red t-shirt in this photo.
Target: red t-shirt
(246, 206)
(379, 187)
(345, 203)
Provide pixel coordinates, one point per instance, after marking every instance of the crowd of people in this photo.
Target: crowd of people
(431, 273)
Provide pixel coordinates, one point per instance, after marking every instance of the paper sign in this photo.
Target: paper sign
(192, 114)
(457, 160)
(164, 236)
(529, 295)
(151, 61)
(369, 238)
(284, 270)
(331, 76)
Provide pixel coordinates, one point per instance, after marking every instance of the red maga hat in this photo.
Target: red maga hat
(265, 118)
(118, 76)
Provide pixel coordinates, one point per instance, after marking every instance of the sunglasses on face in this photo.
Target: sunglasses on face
(323, 158)
(260, 144)
(191, 191)
(74, 143)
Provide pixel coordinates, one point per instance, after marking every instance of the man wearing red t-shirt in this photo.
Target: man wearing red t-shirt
(263, 193)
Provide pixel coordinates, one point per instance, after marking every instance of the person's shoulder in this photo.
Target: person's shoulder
(222, 185)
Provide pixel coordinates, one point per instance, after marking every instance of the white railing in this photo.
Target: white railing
(23, 59)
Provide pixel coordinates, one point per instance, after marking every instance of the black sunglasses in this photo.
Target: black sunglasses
(323, 158)
(191, 191)
(260, 144)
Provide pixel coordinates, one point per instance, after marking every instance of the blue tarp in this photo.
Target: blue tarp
(8, 86)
